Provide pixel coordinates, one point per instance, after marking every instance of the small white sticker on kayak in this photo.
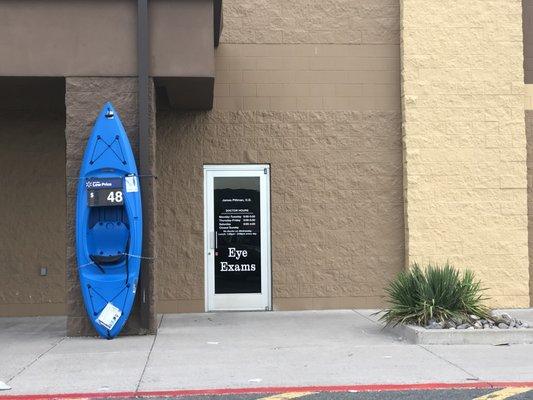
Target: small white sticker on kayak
(109, 316)
(131, 184)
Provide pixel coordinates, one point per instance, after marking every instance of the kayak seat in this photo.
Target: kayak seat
(107, 242)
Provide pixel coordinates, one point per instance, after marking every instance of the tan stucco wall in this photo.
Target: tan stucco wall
(32, 212)
(301, 55)
(313, 89)
(464, 138)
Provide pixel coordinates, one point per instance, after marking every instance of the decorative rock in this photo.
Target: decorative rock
(486, 326)
(478, 325)
(470, 328)
(450, 324)
(506, 318)
(501, 325)
(463, 326)
(474, 317)
(525, 325)
(434, 325)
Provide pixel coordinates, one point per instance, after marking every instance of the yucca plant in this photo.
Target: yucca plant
(436, 293)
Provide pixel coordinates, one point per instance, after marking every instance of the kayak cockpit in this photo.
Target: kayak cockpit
(108, 236)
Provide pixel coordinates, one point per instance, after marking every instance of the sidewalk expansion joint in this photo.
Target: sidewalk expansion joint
(472, 376)
(19, 372)
(365, 317)
(149, 354)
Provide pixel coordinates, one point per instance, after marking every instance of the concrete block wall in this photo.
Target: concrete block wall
(465, 176)
(313, 89)
(301, 55)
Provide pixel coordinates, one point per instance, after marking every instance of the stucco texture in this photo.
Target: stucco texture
(465, 144)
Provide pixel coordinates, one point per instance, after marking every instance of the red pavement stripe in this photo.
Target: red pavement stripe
(278, 389)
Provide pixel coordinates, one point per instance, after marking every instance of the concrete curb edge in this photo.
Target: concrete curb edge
(419, 335)
(278, 389)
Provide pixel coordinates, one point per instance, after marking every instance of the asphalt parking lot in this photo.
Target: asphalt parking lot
(454, 394)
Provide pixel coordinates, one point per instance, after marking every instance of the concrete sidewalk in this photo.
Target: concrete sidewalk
(221, 350)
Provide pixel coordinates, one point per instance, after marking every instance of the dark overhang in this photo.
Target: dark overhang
(96, 38)
(218, 20)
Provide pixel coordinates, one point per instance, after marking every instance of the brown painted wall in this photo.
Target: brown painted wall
(98, 38)
(316, 95)
(32, 211)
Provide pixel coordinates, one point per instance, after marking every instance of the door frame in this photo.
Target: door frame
(266, 227)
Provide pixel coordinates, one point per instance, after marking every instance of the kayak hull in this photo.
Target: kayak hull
(108, 225)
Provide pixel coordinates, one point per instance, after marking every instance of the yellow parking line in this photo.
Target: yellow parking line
(504, 393)
(284, 396)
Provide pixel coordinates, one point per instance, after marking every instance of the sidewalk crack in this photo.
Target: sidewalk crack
(472, 376)
(19, 372)
(365, 317)
(149, 354)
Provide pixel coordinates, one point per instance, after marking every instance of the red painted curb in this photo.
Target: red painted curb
(277, 389)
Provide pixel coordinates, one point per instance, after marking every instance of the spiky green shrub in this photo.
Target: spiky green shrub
(419, 295)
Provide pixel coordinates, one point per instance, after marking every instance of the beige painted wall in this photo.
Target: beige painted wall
(465, 144)
(313, 89)
(32, 211)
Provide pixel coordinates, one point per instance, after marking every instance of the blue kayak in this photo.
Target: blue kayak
(108, 225)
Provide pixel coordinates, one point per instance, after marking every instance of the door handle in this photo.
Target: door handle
(211, 240)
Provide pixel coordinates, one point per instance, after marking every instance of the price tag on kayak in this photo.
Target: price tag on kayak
(104, 192)
(132, 185)
(109, 316)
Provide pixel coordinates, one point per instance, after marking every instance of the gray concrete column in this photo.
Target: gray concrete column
(84, 98)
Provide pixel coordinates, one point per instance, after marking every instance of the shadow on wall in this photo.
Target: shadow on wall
(32, 204)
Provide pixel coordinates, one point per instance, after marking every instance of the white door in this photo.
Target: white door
(237, 237)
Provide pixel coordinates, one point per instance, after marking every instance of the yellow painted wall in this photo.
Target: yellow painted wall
(465, 176)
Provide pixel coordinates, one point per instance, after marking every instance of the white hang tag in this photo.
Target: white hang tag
(109, 316)
(132, 185)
